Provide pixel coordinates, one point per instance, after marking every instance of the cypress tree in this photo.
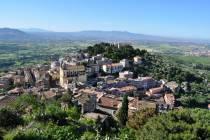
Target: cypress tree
(122, 115)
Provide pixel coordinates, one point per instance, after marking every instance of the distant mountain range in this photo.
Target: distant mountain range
(32, 30)
(12, 34)
(9, 34)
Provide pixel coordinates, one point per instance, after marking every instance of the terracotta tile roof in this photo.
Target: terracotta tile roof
(2, 86)
(48, 94)
(6, 100)
(16, 91)
(127, 89)
(91, 91)
(84, 98)
(155, 90)
(108, 102)
(146, 79)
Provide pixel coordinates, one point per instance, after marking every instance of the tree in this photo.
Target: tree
(67, 97)
(88, 136)
(53, 113)
(1, 134)
(122, 115)
(9, 119)
(139, 118)
(24, 101)
(184, 124)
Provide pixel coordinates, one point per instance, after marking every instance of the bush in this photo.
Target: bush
(9, 119)
(185, 124)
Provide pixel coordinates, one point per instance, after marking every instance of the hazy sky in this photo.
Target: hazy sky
(175, 18)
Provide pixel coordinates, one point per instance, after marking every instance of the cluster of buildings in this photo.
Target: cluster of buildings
(198, 52)
(92, 91)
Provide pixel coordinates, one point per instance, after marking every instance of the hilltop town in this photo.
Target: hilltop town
(109, 84)
(95, 82)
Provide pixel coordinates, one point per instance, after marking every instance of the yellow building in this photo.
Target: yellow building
(70, 73)
(55, 75)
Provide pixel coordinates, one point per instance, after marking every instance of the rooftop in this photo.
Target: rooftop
(109, 102)
(6, 100)
(95, 116)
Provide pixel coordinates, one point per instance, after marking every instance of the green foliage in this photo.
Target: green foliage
(47, 120)
(88, 122)
(88, 136)
(192, 101)
(153, 65)
(183, 124)
(52, 132)
(9, 119)
(20, 54)
(139, 118)
(29, 135)
(73, 113)
(63, 132)
(196, 95)
(67, 97)
(113, 52)
(24, 101)
(122, 114)
(54, 113)
(1, 133)
(160, 68)
(124, 134)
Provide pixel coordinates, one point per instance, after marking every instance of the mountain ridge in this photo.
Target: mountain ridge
(96, 35)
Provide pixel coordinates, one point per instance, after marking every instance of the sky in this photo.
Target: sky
(171, 18)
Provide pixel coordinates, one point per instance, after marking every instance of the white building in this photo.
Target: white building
(112, 68)
(55, 65)
(124, 62)
(126, 74)
(137, 60)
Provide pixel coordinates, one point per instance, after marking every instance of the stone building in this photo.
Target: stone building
(72, 73)
(29, 79)
(19, 80)
(87, 102)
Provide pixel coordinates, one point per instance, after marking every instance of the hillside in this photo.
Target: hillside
(12, 34)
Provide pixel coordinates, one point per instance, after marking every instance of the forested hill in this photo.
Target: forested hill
(159, 67)
(154, 65)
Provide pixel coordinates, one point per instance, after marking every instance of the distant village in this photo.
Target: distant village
(198, 52)
(96, 83)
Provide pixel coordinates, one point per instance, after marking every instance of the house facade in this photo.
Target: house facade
(70, 73)
(113, 68)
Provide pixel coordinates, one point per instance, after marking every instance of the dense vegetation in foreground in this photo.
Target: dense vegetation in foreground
(32, 118)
